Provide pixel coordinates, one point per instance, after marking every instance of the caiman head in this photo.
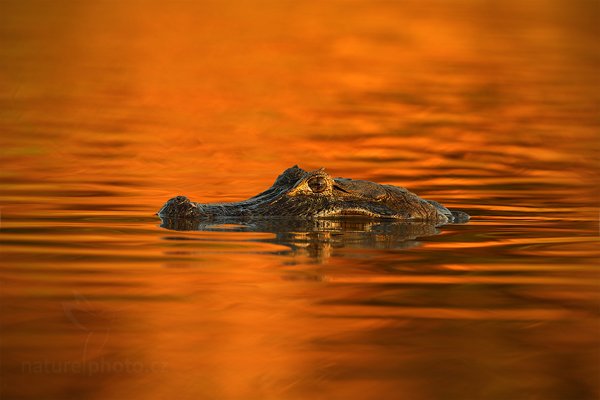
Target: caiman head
(315, 194)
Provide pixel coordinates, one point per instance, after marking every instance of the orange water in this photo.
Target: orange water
(107, 109)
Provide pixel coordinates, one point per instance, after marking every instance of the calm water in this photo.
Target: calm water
(107, 109)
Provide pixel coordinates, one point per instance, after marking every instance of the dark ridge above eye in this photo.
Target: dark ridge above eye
(317, 184)
(290, 176)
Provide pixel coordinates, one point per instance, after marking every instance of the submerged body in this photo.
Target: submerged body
(299, 193)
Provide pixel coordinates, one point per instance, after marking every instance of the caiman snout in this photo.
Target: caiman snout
(180, 207)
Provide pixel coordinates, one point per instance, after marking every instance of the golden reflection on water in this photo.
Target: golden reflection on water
(109, 108)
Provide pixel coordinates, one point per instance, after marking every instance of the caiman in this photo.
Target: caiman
(315, 195)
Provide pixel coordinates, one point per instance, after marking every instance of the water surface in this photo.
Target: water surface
(107, 109)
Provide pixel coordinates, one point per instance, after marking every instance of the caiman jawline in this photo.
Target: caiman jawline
(348, 212)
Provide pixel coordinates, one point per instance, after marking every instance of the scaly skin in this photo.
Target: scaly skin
(312, 195)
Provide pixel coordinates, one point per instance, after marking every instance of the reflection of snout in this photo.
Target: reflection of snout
(180, 224)
(180, 207)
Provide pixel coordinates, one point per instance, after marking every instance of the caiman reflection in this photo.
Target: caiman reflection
(315, 195)
(318, 237)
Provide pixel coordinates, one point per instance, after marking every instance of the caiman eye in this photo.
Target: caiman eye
(317, 184)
